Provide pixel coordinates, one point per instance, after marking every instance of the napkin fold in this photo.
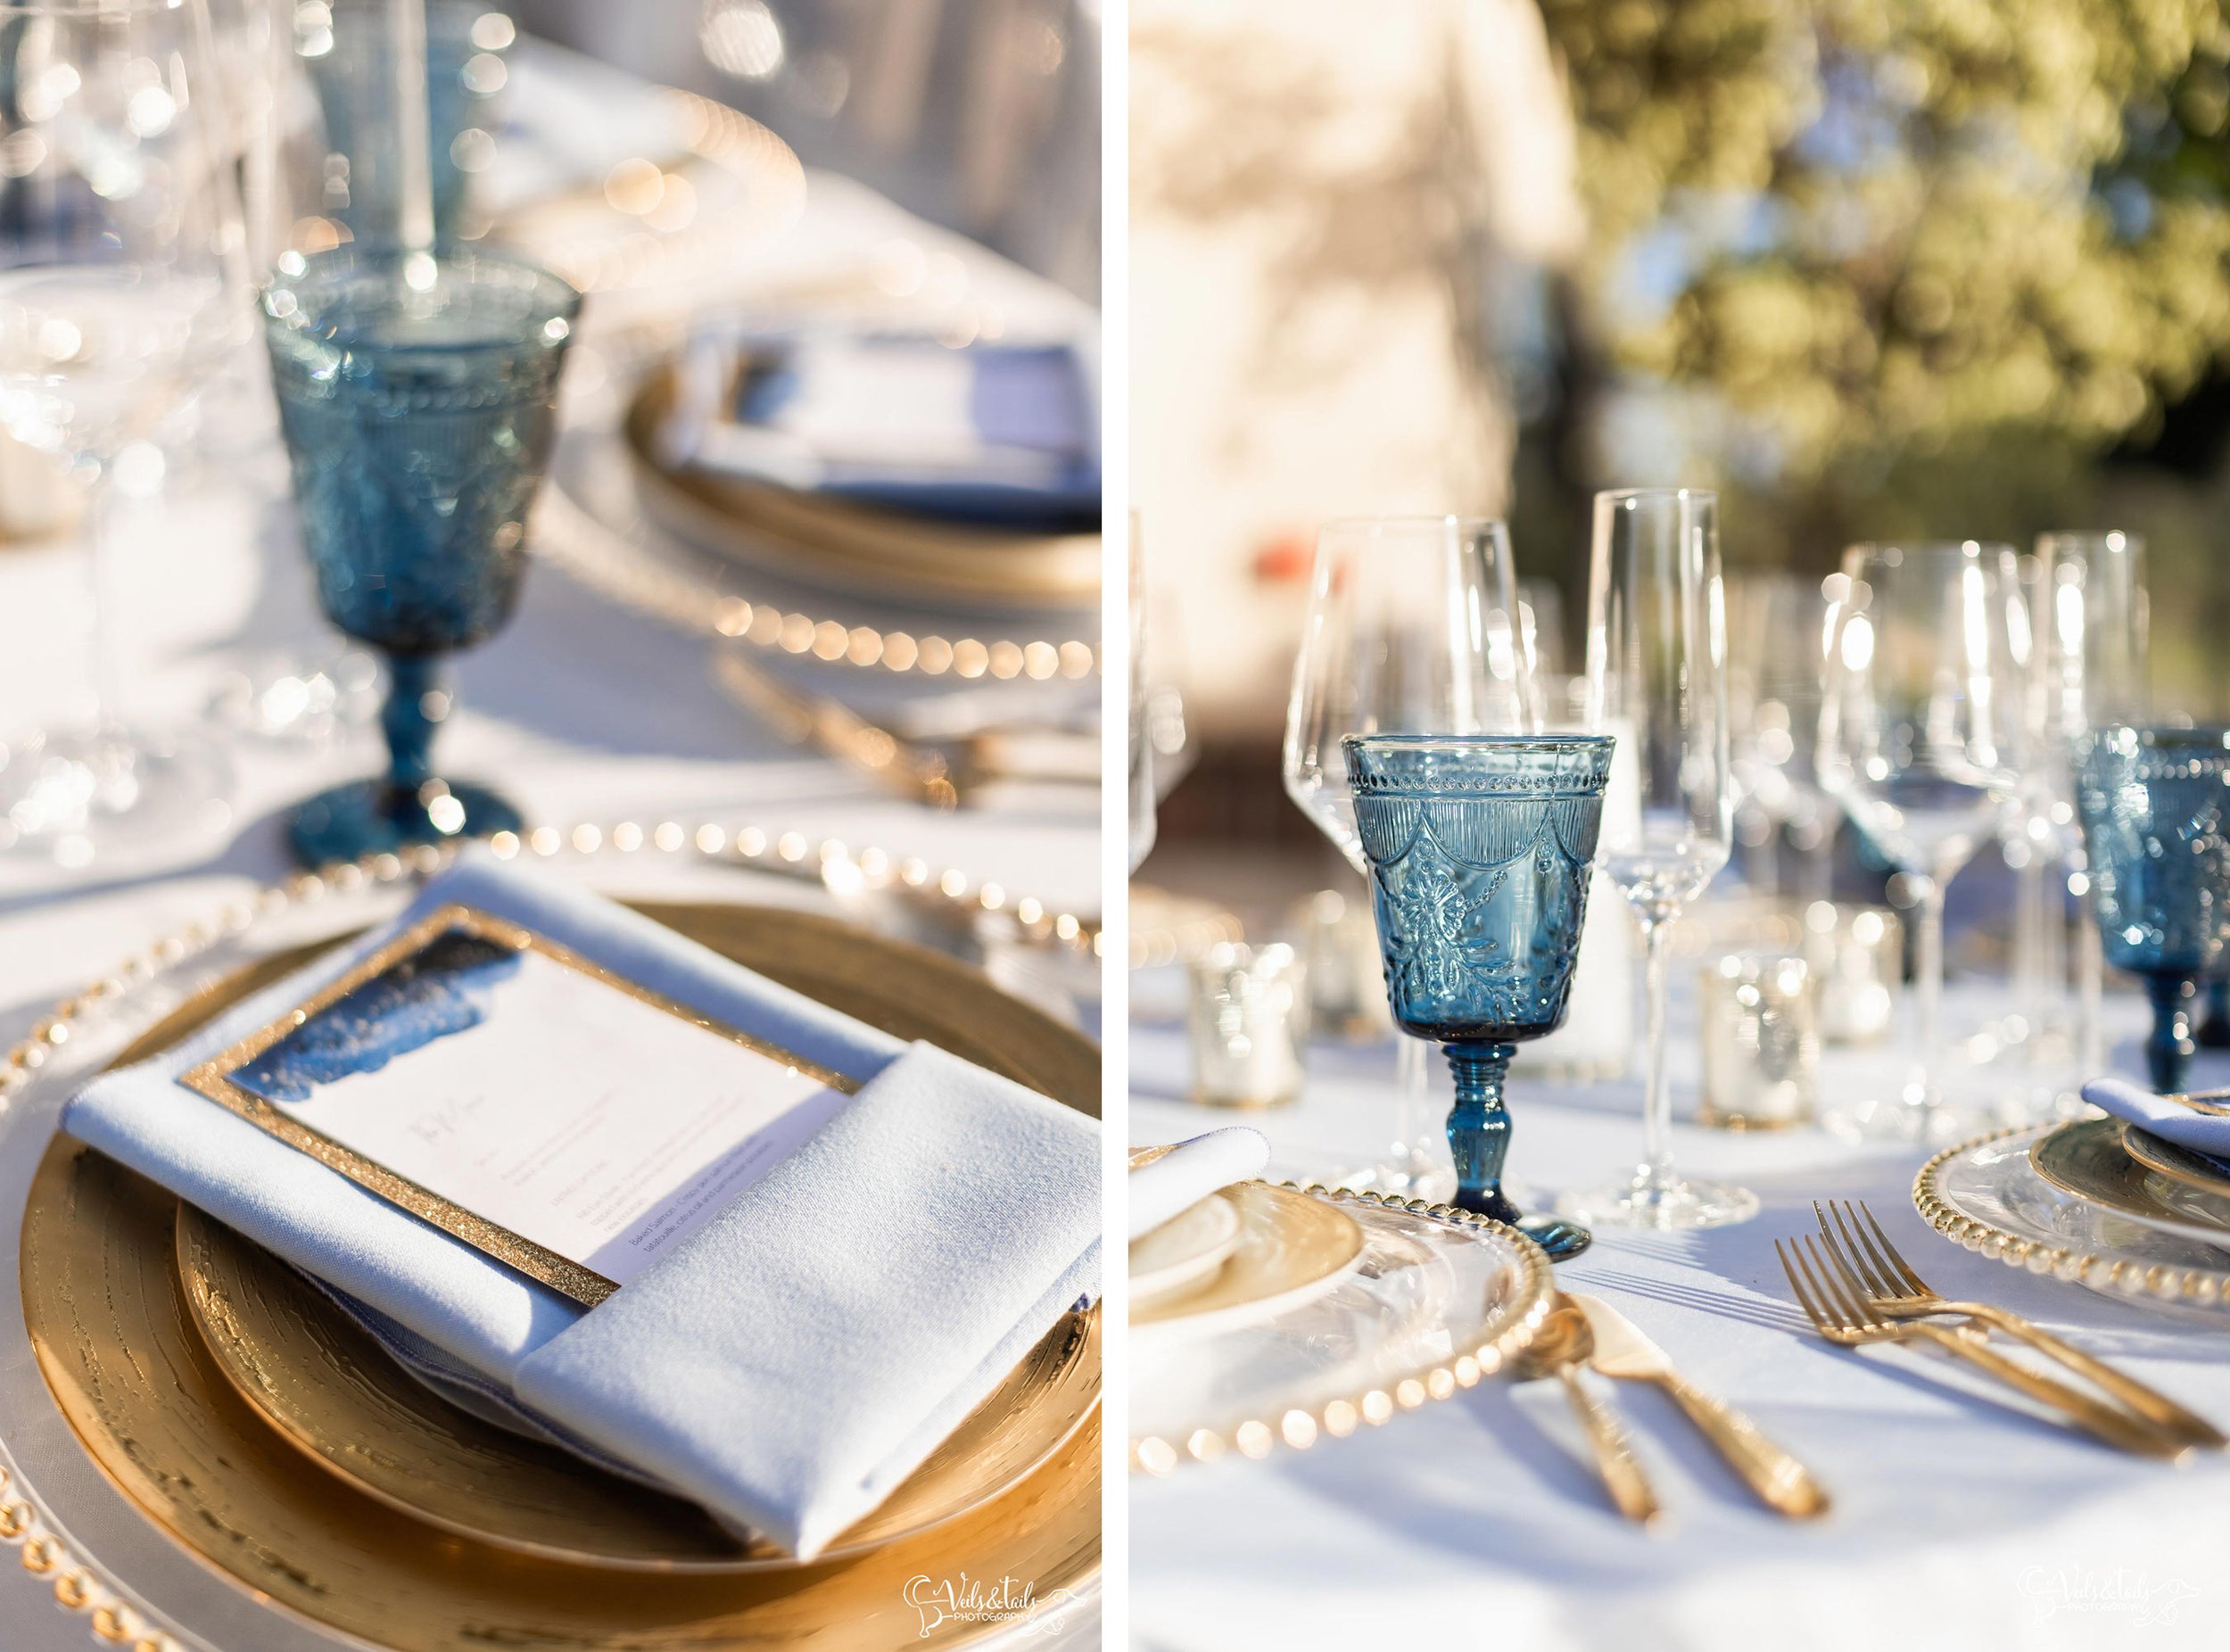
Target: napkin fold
(1166, 1187)
(2171, 1121)
(788, 1364)
(1003, 435)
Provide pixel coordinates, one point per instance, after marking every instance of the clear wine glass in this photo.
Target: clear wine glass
(1413, 628)
(121, 286)
(1141, 767)
(1775, 653)
(1657, 681)
(2093, 630)
(1921, 735)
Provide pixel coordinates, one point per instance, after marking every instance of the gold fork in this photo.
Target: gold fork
(1857, 1240)
(1836, 1305)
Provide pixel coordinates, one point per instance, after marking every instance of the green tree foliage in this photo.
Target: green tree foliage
(1900, 264)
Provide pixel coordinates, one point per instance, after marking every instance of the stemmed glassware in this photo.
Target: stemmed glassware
(1777, 651)
(1479, 849)
(1413, 628)
(2090, 626)
(1921, 732)
(418, 397)
(121, 288)
(1658, 681)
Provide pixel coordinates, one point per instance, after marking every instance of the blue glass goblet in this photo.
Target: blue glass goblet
(418, 416)
(1480, 847)
(2151, 802)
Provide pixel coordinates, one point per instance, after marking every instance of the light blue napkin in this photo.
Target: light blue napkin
(790, 1362)
(1164, 1188)
(2171, 1121)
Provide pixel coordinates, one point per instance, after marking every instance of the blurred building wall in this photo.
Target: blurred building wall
(1321, 191)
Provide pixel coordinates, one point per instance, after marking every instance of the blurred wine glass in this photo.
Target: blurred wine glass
(121, 287)
(2092, 622)
(1413, 628)
(1921, 732)
(1776, 660)
(1141, 767)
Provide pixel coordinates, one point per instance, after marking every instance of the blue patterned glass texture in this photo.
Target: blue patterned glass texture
(2153, 803)
(417, 424)
(1480, 847)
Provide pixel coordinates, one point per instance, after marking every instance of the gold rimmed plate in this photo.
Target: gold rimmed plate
(2087, 1160)
(1288, 1248)
(2178, 1163)
(835, 545)
(119, 1344)
(328, 1386)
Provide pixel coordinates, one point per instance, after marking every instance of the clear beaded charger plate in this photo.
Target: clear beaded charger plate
(1985, 1195)
(1436, 1299)
(250, 1543)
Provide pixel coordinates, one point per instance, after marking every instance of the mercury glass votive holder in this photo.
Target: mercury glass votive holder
(418, 403)
(1855, 956)
(2153, 802)
(1249, 1018)
(1480, 849)
(1759, 1019)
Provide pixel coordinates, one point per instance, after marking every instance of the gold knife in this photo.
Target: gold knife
(1785, 1485)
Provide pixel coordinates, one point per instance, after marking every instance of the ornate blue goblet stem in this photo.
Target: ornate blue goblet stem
(1479, 1127)
(411, 679)
(2214, 1032)
(2170, 1047)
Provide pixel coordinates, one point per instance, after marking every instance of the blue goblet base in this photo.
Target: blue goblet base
(369, 817)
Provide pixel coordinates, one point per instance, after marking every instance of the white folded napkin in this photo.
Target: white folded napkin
(1169, 1186)
(788, 1363)
(2171, 1121)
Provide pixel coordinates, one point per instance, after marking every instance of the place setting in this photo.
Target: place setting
(712, 1116)
(1419, 740)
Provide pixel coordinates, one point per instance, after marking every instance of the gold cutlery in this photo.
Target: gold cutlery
(1567, 1342)
(1620, 1350)
(1857, 1240)
(1836, 1304)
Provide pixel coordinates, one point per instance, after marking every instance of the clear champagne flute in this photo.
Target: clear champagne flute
(120, 290)
(2093, 632)
(1413, 628)
(1657, 681)
(1921, 731)
(1776, 647)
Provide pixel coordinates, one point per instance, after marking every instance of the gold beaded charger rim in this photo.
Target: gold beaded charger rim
(1509, 1330)
(326, 1385)
(117, 1344)
(2205, 1291)
(854, 549)
(2087, 1159)
(2174, 1160)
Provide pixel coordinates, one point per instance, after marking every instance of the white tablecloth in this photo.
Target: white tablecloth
(1958, 1523)
(580, 711)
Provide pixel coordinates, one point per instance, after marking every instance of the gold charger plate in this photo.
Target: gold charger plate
(325, 1384)
(2087, 1158)
(117, 1341)
(2178, 1163)
(831, 543)
(1291, 1246)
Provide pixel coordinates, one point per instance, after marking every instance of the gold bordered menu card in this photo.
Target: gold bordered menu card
(566, 1120)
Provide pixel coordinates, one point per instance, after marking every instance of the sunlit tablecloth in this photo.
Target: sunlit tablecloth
(581, 711)
(1478, 1522)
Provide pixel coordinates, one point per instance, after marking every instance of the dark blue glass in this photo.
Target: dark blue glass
(1480, 847)
(417, 424)
(2151, 802)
